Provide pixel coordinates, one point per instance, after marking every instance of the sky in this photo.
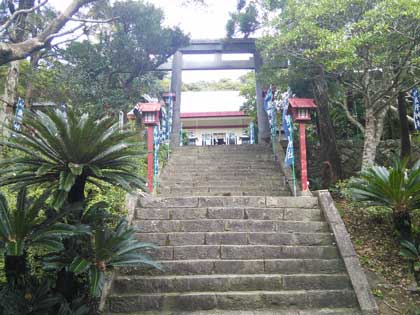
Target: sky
(200, 22)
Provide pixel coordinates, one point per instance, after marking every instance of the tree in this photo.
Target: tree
(247, 90)
(66, 151)
(11, 50)
(369, 47)
(26, 28)
(244, 21)
(119, 66)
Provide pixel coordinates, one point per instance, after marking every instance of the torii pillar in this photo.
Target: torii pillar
(264, 134)
(176, 87)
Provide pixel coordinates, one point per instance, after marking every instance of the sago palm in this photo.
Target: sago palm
(111, 248)
(24, 226)
(65, 151)
(396, 187)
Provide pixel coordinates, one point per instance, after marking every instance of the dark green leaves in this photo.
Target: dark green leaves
(59, 152)
(79, 265)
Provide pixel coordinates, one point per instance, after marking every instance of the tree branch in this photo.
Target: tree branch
(350, 116)
(95, 21)
(17, 51)
(19, 12)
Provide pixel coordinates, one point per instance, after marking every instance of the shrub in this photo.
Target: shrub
(396, 187)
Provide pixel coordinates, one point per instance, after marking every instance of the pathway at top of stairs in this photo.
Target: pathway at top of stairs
(227, 253)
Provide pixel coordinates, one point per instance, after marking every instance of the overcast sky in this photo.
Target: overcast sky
(200, 23)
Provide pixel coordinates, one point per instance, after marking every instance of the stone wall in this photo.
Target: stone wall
(351, 156)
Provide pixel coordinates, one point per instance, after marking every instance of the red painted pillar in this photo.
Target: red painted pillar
(150, 157)
(303, 162)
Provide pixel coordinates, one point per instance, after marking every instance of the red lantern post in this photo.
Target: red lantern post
(300, 108)
(150, 116)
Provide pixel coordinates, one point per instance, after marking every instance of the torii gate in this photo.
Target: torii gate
(216, 48)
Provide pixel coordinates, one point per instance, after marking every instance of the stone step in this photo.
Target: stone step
(231, 165)
(220, 171)
(291, 311)
(224, 163)
(246, 201)
(181, 182)
(217, 192)
(236, 238)
(215, 225)
(234, 186)
(243, 252)
(224, 283)
(241, 213)
(232, 300)
(219, 179)
(256, 266)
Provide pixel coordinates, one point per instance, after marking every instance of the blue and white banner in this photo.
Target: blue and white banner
(19, 114)
(288, 131)
(251, 133)
(416, 113)
(270, 109)
(289, 158)
(169, 118)
(156, 142)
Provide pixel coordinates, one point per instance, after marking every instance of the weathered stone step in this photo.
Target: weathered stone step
(215, 225)
(256, 266)
(236, 238)
(243, 252)
(236, 201)
(226, 172)
(223, 283)
(291, 311)
(173, 182)
(243, 213)
(231, 165)
(232, 300)
(193, 178)
(233, 186)
(224, 192)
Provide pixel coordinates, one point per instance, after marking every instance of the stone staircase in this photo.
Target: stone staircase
(225, 252)
(240, 170)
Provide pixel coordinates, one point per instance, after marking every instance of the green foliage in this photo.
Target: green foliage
(410, 252)
(247, 90)
(111, 248)
(109, 74)
(184, 137)
(244, 21)
(42, 243)
(25, 226)
(397, 188)
(35, 299)
(223, 84)
(65, 149)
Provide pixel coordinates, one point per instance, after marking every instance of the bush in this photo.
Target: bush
(58, 244)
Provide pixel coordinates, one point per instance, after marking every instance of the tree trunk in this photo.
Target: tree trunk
(15, 268)
(330, 157)
(402, 222)
(404, 128)
(10, 96)
(374, 126)
(30, 85)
